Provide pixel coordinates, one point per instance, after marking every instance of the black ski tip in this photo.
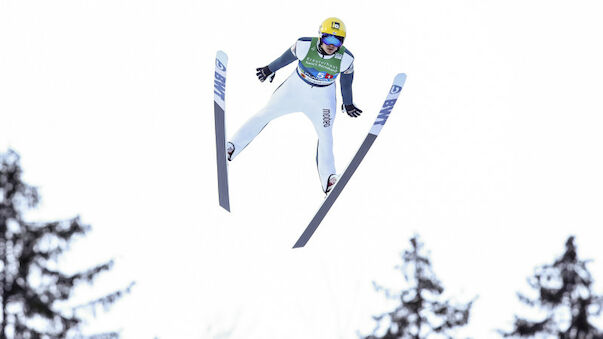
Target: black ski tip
(302, 241)
(226, 207)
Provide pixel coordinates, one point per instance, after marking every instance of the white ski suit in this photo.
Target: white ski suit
(307, 91)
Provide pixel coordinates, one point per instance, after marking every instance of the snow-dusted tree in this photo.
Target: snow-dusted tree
(422, 313)
(33, 292)
(565, 296)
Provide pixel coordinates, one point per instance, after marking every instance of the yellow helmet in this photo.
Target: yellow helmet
(332, 26)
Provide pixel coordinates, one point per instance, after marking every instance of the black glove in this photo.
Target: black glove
(265, 73)
(351, 110)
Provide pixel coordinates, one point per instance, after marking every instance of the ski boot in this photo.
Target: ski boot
(229, 150)
(331, 183)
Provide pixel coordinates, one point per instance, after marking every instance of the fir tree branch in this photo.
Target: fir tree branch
(106, 300)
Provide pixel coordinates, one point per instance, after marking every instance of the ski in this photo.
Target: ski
(386, 109)
(219, 104)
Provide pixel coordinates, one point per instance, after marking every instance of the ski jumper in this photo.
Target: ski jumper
(309, 89)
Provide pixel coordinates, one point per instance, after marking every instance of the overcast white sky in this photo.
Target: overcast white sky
(492, 155)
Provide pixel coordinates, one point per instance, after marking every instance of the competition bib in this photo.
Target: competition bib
(317, 70)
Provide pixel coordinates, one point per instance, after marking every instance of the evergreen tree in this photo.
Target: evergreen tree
(422, 313)
(565, 294)
(32, 290)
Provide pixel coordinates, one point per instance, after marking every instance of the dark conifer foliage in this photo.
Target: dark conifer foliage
(422, 313)
(32, 288)
(564, 292)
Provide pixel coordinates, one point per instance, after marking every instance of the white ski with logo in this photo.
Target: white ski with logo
(386, 109)
(219, 109)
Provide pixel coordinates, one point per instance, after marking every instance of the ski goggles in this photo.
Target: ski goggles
(330, 39)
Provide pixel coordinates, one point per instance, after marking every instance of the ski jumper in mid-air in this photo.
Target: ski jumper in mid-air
(309, 89)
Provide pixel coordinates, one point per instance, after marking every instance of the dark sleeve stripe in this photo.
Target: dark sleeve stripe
(282, 61)
(346, 88)
(347, 51)
(304, 39)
